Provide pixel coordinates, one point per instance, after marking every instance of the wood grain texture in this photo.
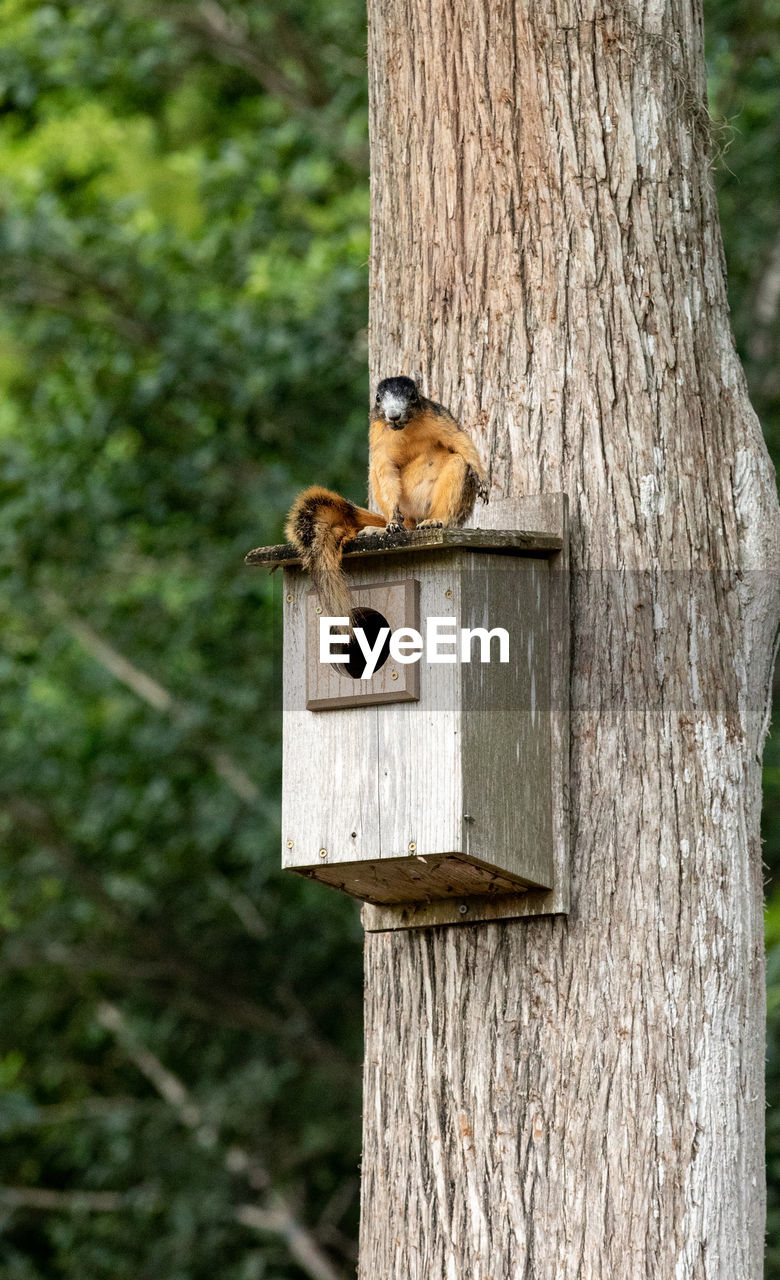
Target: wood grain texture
(329, 686)
(582, 1097)
(341, 769)
(505, 731)
(547, 512)
(486, 538)
(418, 881)
(433, 781)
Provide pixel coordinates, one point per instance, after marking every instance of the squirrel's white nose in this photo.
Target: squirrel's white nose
(394, 408)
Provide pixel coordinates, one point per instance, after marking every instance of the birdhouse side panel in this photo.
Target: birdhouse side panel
(506, 718)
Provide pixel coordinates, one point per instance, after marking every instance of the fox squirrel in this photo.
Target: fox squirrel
(424, 472)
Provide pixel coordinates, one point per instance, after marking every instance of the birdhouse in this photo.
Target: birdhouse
(425, 760)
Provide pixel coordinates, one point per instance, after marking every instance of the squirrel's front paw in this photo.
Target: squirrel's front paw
(396, 523)
(431, 524)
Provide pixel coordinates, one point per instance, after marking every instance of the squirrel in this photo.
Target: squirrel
(424, 472)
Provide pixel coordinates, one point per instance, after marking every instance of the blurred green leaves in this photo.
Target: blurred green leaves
(744, 90)
(183, 245)
(744, 67)
(183, 301)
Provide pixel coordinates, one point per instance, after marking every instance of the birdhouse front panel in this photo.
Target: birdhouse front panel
(446, 795)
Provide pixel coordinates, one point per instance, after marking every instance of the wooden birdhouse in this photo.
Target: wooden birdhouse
(426, 772)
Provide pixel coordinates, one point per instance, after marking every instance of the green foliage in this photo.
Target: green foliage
(744, 64)
(744, 90)
(183, 245)
(183, 297)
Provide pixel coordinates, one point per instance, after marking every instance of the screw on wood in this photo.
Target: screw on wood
(323, 853)
(448, 593)
(412, 846)
(289, 597)
(463, 908)
(289, 844)
(393, 675)
(318, 609)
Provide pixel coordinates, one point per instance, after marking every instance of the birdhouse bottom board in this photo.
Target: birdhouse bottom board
(448, 795)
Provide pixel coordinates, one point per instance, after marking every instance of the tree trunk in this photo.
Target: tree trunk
(583, 1096)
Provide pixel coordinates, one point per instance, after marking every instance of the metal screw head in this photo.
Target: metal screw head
(463, 908)
(289, 597)
(448, 593)
(393, 675)
(323, 853)
(412, 846)
(289, 844)
(318, 609)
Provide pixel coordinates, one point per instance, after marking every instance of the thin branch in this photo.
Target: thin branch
(242, 906)
(274, 1215)
(155, 960)
(56, 1113)
(70, 1201)
(276, 1218)
(151, 692)
(209, 997)
(138, 681)
(26, 285)
(202, 998)
(38, 823)
(335, 1208)
(273, 1220)
(169, 1087)
(226, 37)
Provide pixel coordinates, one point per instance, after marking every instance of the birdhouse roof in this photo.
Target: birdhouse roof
(378, 543)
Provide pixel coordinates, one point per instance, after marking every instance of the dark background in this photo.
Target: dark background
(183, 300)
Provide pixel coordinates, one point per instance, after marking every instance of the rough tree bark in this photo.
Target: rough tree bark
(583, 1097)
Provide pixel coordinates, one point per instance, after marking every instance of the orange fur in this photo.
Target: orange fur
(424, 471)
(318, 524)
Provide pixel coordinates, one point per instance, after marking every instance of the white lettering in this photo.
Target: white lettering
(371, 655)
(406, 645)
(484, 636)
(434, 636)
(328, 639)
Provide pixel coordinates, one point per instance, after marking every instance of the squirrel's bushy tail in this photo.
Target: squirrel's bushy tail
(318, 524)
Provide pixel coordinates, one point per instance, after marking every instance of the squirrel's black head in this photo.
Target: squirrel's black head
(396, 401)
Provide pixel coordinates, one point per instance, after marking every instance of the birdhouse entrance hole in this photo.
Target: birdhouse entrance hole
(370, 622)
